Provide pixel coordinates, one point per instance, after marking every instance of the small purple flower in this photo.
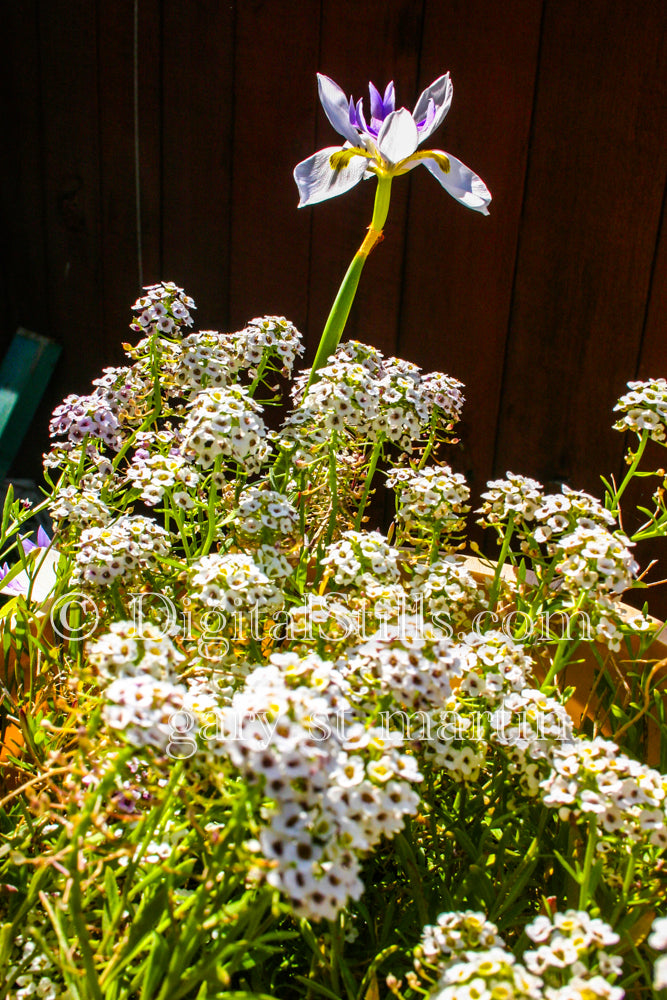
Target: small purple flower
(386, 146)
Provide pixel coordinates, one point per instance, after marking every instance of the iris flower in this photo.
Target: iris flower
(387, 145)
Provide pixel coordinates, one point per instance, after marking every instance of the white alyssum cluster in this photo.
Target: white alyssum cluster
(225, 423)
(79, 506)
(591, 558)
(455, 933)
(33, 976)
(445, 394)
(129, 651)
(360, 555)
(571, 956)
(142, 692)
(164, 307)
(592, 778)
(265, 512)
(561, 513)
(431, 500)
(154, 474)
(199, 361)
(143, 708)
(644, 409)
(416, 670)
(516, 497)
(366, 395)
(264, 338)
(130, 544)
(234, 582)
(496, 666)
(657, 939)
(447, 590)
(571, 960)
(335, 785)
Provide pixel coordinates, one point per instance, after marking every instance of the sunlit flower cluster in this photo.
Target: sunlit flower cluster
(447, 589)
(335, 785)
(154, 474)
(592, 778)
(164, 307)
(571, 956)
(79, 507)
(360, 555)
(232, 582)
(416, 671)
(570, 962)
(658, 940)
(129, 651)
(130, 544)
(592, 558)
(268, 338)
(430, 502)
(225, 424)
(265, 513)
(515, 497)
(34, 974)
(645, 409)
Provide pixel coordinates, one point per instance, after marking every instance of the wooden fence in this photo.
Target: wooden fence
(195, 120)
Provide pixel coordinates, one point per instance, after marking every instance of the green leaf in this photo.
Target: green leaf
(155, 966)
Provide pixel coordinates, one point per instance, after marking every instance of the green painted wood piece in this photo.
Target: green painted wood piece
(24, 374)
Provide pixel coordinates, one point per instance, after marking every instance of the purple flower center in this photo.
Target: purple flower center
(381, 107)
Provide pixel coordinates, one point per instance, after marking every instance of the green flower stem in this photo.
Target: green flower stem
(410, 867)
(370, 472)
(495, 586)
(563, 653)
(429, 444)
(333, 487)
(641, 447)
(212, 499)
(584, 887)
(340, 310)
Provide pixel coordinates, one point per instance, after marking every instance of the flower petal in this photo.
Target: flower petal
(460, 182)
(336, 108)
(440, 92)
(317, 180)
(381, 106)
(398, 137)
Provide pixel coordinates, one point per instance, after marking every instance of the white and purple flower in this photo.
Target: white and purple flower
(386, 145)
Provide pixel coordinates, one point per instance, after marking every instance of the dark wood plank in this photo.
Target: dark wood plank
(653, 354)
(66, 54)
(340, 225)
(119, 242)
(459, 266)
(276, 58)
(652, 363)
(197, 73)
(591, 216)
(21, 175)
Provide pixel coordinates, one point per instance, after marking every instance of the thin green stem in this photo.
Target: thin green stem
(370, 472)
(584, 888)
(495, 586)
(333, 486)
(340, 310)
(641, 447)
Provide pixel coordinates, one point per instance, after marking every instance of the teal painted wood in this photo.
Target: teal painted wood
(24, 374)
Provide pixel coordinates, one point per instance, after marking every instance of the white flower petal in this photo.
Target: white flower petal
(337, 108)
(440, 92)
(460, 182)
(398, 137)
(317, 180)
(660, 973)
